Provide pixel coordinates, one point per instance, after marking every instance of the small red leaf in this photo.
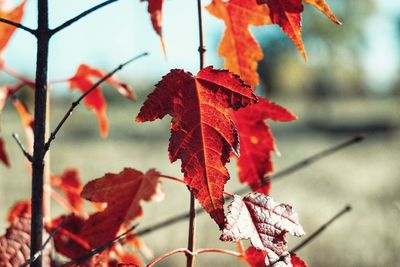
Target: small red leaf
(3, 153)
(83, 81)
(202, 132)
(257, 142)
(70, 184)
(19, 209)
(6, 31)
(287, 14)
(155, 10)
(259, 218)
(296, 261)
(123, 193)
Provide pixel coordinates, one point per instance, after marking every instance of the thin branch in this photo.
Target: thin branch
(306, 162)
(18, 25)
(346, 209)
(80, 16)
(21, 146)
(99, 249)
(77, 102)
(40, 252)
(283, 173)
(224, 251)
(168, 254)
(314, 235)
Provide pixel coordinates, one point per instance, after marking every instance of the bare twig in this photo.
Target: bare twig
(217, 250)
(285, 172)
(192, 232)
(40, 252)
(21, 146)
(77, 102)
(314, 235)
(83, 14)
(18, 25)
(99, 249)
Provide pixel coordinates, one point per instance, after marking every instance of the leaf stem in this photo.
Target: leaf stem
(192, 231)
(80, 16)
(78, 101)
(166, 255)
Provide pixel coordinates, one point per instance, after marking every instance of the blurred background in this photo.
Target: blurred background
(349, 85)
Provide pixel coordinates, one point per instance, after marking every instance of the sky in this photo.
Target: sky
(123, 29)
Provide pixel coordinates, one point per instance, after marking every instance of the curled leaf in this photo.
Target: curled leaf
(259, 218)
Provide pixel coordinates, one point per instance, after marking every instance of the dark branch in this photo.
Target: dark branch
(21, 146)
(40, 252)
(83, 14)
(76, 103)
(99, 249)
(18, 25)
(314, 235)
(285, 172)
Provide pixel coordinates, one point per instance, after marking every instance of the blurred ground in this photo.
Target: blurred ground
(366, 175)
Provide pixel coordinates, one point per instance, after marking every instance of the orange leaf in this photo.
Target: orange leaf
(202, 132)
(287, 14)
(257, 142)
(322, 6)
(238, 47)
(70, 184)
(4, 91)
(259, 218)
(6, 31)
(27, 122)
(83, 81)
(19, 209)
(123, 193)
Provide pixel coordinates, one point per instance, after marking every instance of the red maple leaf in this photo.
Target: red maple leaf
(123, 193)
(287, 14)
(256, 258)
(83, 80)
(202, 132)
(70, 184)
(257, 142)
(259, 218)
(6, 31)
(238, 47)
(155, 10)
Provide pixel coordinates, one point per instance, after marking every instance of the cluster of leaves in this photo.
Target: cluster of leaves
(212, 113)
